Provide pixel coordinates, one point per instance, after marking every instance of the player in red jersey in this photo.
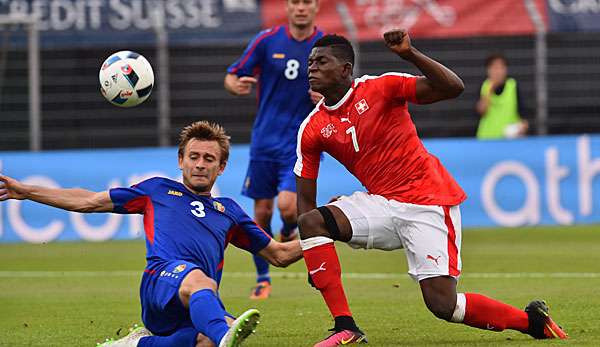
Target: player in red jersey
(412, 201)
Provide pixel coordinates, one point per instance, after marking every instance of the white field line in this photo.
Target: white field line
(301, 275)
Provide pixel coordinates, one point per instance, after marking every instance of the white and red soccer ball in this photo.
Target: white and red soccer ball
(126, 79)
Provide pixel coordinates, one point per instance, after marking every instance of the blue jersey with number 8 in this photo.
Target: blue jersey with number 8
(280, 64)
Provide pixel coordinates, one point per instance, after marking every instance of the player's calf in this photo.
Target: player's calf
(439, 294)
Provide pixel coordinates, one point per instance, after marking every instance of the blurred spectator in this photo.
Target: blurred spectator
(500, 104)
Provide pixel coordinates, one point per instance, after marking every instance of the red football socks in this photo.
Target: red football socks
(324, 269)
(485, 313)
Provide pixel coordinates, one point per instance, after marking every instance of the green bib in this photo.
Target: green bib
(503, 110)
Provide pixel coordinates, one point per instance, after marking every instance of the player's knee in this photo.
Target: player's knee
(288, 213)
(311, 224)
(263, 214)
(440, 307)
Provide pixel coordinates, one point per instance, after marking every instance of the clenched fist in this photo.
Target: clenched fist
(399, 42)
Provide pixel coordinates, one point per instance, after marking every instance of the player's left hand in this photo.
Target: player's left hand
(10, 188)
(399, 42)
(315, 96)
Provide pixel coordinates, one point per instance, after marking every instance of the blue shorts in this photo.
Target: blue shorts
(162, 311)
(265, 179)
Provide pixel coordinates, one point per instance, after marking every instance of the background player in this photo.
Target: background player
(412, 201)
(187, 231)
(276, 60)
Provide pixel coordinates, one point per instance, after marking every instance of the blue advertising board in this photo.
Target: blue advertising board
(113, 22)
(551, 180)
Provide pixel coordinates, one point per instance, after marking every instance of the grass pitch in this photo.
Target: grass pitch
(75, 294)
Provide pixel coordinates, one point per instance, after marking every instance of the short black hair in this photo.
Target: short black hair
(341, 47)
(493, 57)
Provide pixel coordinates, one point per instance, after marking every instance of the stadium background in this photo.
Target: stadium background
(552, 47)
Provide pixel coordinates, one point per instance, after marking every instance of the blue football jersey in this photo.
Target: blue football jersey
(281, 65)
(180, 225)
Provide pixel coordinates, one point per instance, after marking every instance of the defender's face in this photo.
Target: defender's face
(302, 13)
(325, 71)
(201, 165)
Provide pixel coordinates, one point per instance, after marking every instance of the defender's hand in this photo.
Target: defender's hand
(10, 188)
(244, 85)
(399, 42)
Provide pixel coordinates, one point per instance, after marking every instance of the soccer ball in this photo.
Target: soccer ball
(126, 79)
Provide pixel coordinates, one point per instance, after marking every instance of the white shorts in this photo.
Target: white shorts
(430, 234)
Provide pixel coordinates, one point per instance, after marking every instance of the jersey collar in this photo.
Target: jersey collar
(341, 102)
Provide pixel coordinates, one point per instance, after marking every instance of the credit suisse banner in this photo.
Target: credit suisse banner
(547, 180)
(113, 22)
(431, 18)
(574, 15)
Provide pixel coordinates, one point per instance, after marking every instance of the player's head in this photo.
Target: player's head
(330, 63)
(203, 153)
(302, 13)
(497, 67)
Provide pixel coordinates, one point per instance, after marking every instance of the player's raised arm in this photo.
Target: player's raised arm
(78, 200)
(439, 83)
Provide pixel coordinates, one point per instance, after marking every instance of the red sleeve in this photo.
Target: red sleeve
(308, 149)
(394, 85)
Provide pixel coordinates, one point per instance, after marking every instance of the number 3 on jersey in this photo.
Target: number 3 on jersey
(291, 70)
(198, 209)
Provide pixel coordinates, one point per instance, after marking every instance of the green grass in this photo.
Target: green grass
(81, 310)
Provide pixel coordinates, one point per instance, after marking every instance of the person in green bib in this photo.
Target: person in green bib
(499, 105)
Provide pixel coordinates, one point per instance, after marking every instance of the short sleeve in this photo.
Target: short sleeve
(252, 56)
(130, 200)
(394, 85)
(308, 150)
(246, 234)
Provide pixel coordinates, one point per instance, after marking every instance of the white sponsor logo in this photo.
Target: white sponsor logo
(328, 130)
(389, 14)
(321, 268)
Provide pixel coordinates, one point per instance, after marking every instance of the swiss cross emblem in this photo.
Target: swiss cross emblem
(328, 130)
(361, 106)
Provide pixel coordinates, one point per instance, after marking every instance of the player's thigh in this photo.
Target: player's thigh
(370, 220)
(286, 186)
(162, 310)
(261, 180)
(432, 237)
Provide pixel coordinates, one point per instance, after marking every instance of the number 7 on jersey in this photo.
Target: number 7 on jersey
(352, 132)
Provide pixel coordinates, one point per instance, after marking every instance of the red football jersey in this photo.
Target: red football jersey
(371, 133)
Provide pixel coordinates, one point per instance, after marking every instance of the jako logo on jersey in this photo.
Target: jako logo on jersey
(278, 56)
(179, 268)
(328, 130)
(361, 106)
(174, 192)
(219, 206)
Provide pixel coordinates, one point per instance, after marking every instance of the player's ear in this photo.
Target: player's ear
(180, 162)
(222, 168)
(347, 72)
